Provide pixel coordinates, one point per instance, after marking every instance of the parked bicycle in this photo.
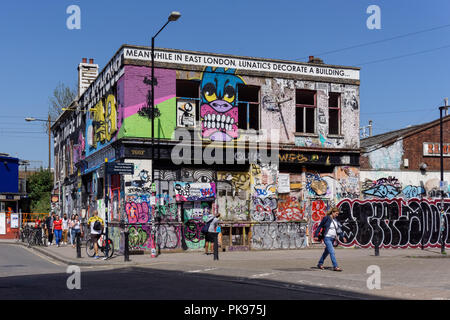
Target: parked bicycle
(36, 237)
(101, 246)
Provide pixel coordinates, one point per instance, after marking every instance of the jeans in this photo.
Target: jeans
(73, 237)
(58, 234)
(329, 249)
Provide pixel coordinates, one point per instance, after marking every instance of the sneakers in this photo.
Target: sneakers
(96, 257)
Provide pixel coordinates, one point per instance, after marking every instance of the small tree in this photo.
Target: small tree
(62, 98)
(39, 188)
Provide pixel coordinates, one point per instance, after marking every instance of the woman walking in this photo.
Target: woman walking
(57, 229)
(329, 229)
(75, 229)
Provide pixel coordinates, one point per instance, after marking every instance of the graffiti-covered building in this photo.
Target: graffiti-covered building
(269, 144)
(401, 203)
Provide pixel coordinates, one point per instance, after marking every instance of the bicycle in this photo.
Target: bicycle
(101, 246)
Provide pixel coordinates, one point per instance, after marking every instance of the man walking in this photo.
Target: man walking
(96, 225)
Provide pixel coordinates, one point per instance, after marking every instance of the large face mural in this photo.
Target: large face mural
(219, 110)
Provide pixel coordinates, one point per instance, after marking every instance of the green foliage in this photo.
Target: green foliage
(39, 188)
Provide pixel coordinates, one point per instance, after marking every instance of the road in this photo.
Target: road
(25, 274)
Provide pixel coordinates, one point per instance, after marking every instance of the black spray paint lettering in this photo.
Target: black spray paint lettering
(395, 223)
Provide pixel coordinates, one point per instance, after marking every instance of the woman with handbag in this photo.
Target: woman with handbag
(328, 230)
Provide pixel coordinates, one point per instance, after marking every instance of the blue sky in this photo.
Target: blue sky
(39, 51)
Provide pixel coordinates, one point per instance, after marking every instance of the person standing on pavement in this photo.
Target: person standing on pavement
(330, 229)
(65, 229)
(49, 227)
(57, 229)
(75, 230)
(95, 232)
(212, 234)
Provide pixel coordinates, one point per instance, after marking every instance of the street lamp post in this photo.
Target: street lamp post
(49, 121)
(174, 15)
(441, 146)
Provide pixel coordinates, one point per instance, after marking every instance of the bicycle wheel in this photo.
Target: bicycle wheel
(90, 248)
(110, 248)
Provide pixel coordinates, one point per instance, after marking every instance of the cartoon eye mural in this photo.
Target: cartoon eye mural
(219, 110)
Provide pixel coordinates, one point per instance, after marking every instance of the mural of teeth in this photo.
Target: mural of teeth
(223, 118)
(222, 125)
(213, 117)
(228, 119)
(208, 125)
(232, 120)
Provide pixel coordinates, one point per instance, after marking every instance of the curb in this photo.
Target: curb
(69, 261)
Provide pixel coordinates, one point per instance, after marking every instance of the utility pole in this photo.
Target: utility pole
(441, 185)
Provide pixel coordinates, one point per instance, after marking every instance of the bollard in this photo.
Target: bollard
(126, 251)
(377, 249)
(78, 245)
(216, 246)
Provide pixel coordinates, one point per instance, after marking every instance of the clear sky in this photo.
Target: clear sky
(38, 50)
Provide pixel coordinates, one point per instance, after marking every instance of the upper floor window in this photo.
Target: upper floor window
(188, 103)
(305, 111)
(334, 113)
(248, 107)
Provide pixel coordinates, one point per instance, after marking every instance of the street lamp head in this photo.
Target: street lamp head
(30, 119)
(174, 15)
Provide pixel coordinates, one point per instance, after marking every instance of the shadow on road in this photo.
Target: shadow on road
(130, 283)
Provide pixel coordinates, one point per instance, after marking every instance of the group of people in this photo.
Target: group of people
(328, 231)
(62, 230)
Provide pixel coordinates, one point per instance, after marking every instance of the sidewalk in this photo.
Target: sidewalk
(68, 255)
(405, 273)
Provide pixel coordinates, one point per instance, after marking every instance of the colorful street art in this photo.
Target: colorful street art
(219, 110)
(102, 123)
(186, 191)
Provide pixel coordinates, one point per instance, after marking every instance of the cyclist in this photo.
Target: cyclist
(96, 225)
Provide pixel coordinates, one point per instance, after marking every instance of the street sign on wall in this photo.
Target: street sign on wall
(119, 168)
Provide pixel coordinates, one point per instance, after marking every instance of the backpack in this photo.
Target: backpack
(205, 227)
(97, 225)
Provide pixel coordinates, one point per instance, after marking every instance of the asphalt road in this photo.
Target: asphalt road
(25, 274)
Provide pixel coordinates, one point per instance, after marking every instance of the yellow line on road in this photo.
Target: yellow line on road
(42, 256)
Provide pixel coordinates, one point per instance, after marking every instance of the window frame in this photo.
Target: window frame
(195, 101)
(306, 107)
(338, 108)
(247, 105)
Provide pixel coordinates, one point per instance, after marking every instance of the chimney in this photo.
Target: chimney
(313, 59)
(87, 73)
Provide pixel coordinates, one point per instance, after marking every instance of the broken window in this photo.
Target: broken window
(248, 107)
(305, 111)
(334, 113)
